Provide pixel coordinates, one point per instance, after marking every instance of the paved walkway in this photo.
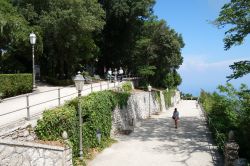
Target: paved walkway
(157, 143)
(13, 110)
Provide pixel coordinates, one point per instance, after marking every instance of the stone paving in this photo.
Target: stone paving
(157, 143)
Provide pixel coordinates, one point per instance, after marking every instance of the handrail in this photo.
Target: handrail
(210, 124)
(34, 93)
(102, 85)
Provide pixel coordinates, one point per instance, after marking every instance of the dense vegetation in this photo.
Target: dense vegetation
(127, 86)
(96, 111)
(15, 84)
(229, 110)
(168, 94)
(235, 16)
(89, 35)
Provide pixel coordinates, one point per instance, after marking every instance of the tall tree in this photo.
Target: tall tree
(15, 50)
(124, 18)
(67, 28)
(160, 46)
(236, 16)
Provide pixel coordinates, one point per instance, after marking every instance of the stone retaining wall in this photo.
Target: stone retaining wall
(22, 133)
(14, 153)
(137, 109)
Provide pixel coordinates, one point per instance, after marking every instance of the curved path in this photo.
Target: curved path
(14, 110)
(157, 143)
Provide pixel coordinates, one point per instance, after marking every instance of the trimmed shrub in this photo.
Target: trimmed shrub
(15, 84)
(127, 87)
(96, 111)
(57, 120)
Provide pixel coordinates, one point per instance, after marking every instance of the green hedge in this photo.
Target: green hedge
(167, 96)
(15, 84)
(127, 86)
(96, 113)
(229, 110)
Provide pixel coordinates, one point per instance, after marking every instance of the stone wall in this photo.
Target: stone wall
(127, 118)
(22, 133)
(14, 153)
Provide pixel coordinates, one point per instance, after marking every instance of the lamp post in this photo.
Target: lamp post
(33, 42)
(149, 92)
(79, 82)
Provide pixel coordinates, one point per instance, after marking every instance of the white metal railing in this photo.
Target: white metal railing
(12, 109)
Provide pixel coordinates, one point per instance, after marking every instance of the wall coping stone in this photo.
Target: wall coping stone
(30, 144)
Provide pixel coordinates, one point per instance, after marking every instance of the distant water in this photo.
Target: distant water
(195, 88)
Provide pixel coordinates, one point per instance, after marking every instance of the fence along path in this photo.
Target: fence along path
(157, 143)
(30, 106)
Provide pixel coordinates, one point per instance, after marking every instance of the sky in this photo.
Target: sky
(206, 63)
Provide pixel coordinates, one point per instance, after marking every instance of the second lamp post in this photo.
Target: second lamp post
(33, 42)
(79, 82)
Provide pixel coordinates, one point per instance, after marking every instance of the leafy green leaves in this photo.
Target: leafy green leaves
(15, 84)
(235, 14)
(227, 111)
(96, 113)
(240, 69)
(159, 46)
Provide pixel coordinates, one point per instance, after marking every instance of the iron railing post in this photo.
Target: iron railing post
(28, 107)
(59, 97)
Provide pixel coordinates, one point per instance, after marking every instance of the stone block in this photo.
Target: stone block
(16, 159)
(2, 148)
(38, 162)
(59, 162)
(7, 152)
(19, 150)
(49, 162)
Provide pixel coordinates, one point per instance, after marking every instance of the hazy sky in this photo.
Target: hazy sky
(206, 63)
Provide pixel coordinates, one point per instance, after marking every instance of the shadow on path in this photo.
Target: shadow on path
(191, 137)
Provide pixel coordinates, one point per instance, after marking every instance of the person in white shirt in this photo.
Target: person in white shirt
(120, 72)
(115, 74)
(109, 74)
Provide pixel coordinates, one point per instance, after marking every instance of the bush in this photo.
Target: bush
(96, 113)
(57, 120)
(127, 87)
(167, 96)
(15, 84)
(229, 110)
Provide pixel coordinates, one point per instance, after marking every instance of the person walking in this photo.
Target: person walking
(175, 117)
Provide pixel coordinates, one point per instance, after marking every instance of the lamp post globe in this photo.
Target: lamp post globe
(32, 38)
(149, 88)
(33, 42)
(79, 81)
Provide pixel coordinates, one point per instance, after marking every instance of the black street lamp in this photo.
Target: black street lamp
(33, 42)
(79, 82)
